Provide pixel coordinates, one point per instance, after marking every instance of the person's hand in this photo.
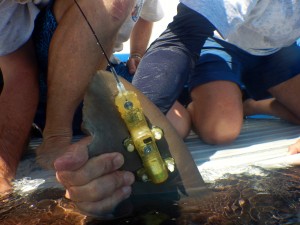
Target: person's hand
(95, 185)
(294, 148)
(133, 63)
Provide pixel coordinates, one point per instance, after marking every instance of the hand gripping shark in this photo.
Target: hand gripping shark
(103, 121)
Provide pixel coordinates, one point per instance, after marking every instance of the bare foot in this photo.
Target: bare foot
(294, 148)
(52, 147)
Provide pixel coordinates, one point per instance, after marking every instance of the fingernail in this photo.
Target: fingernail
(127, 191)
(128, 178)
(118, 161)
(62, 160)
(66, 157)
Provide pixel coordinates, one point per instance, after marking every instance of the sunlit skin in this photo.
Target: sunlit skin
(294, 148)
(180, 119)
(17, 108)
(95, 191)
(68, 78)
(139, 40)
(269, 106)
(67, 91)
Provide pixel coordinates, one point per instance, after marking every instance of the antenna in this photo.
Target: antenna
(120, 86)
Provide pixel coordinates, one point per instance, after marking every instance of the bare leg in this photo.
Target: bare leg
(216, 111)
(73, 58)
(269, 107)
(180, 119)
(18, 102)
(287, 95)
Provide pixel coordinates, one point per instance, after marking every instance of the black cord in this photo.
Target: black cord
(98, 42)
(93, 31)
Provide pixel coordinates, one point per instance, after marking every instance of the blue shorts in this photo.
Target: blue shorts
(186, 52)
(256, 74)
(122, 70)
(164, 71)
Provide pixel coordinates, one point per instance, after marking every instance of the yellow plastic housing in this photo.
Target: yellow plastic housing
(143, 139)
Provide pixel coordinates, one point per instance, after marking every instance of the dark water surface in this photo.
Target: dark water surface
(269, 197)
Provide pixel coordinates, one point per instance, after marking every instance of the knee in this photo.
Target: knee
(219, 133)
(216, 130)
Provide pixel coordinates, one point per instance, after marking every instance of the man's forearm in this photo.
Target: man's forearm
(140, 37)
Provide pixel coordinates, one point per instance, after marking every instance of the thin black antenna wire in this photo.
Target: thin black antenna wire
(98, 42)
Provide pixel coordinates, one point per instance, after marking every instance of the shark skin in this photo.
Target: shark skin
(102, 121)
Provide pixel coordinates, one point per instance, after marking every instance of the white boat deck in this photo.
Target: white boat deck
(262, 142)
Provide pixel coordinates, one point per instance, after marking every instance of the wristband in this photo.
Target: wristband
(137, 56)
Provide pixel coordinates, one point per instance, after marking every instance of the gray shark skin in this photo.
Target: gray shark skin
(102, 120)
